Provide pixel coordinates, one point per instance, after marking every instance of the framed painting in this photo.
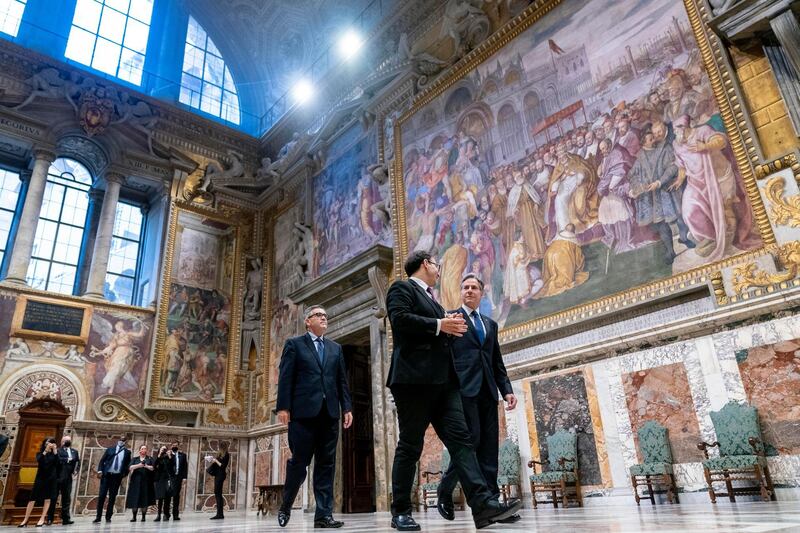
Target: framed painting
(578, 172)
(200, 309)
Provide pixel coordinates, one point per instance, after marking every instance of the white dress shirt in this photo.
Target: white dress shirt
(425, 288)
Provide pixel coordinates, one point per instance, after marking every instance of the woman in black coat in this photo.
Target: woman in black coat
(45, 484)
(161, 479)
(218, 468)
(140, 483)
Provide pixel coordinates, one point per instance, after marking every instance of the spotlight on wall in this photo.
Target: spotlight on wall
(349, 44)
(302, 91)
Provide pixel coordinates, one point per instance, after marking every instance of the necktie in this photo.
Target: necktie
(320, 350)
(430, 291)
(177, 464)
(117, 466)
(476, 318)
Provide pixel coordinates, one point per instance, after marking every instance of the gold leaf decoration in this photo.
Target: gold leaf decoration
(748, 276)
(785, 211)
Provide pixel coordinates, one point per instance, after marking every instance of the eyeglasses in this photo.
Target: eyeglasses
(433, 263)
(318, 315)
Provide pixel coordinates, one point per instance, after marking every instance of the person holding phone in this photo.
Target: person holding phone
(218, 467)
(45, 484)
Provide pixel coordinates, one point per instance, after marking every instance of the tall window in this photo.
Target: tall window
(111, 36)
(11, 15)
(57, 244)
(125, 244)
(9, 193)
(206, 82)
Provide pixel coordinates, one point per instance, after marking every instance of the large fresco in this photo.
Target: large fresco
(571, 164)
(347, 201)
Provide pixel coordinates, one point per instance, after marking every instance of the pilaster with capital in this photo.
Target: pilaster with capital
(29, 219)
(102, 242)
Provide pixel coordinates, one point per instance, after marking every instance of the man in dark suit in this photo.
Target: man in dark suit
(423, 381)
(481, 374)
(312, 388)
(178, 472)
(114, 465)
(68, 463)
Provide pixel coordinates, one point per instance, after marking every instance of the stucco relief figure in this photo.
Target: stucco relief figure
(466, 23)
(290, 152)
(120, 351)
(254, 284)
(48, 83)
(305, 237)
(217, 175)
(266, 174)
(138, 115)
(18, 348)
(721, 6)
(382, 208)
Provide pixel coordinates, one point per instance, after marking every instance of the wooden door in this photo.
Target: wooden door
(358, 459)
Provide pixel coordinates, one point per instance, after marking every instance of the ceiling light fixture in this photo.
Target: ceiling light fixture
(302, 91)
(349, 44)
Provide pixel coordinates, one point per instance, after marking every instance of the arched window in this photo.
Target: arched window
(124, 255)
(9, 194)
(59, 234)
(511, 134)
(111, 36)
(206, 82)
(11, 15)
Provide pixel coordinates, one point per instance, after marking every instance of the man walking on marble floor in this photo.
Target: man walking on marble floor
(481, 374)
(312, 388)
(424, 384)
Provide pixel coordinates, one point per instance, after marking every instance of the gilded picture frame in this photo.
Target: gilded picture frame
(731, 123)
(229, 311)
(18, 328)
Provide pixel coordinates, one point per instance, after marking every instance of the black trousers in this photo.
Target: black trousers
(312, 437)
(218, 482)
(174, 497)
(481, 415)
(439, 405)
(65, 493)
(109, 486)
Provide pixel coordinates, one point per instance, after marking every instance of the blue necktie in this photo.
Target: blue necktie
(479, 326)
(117, 464)
(320, 350)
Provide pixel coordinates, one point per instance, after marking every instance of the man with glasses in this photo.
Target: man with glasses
(425, 387)
(312, 388)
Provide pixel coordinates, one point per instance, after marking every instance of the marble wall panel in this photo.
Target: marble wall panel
(662, 394)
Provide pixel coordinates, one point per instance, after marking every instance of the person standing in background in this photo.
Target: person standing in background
(161, 480)
(68, 467)
(140, 484)
(178, 471)
(219, 469)
(44, 484)
(113, 467)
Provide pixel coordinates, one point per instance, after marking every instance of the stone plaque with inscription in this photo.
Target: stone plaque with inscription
(51, 319)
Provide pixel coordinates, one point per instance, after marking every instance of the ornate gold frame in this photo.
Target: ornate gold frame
(234, 338)
(731, 110)
(19, 313)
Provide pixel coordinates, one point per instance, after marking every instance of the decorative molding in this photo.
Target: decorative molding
(784, 211)
(748, 276)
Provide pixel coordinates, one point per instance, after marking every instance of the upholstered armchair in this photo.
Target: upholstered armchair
(508, 470)
(741, 454)
(430, 488)
(656, 468)
(562, 477)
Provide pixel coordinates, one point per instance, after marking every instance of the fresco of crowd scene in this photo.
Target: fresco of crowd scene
(633, 180)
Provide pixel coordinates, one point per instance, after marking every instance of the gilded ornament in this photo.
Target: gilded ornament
(748, 276)
(785, 211)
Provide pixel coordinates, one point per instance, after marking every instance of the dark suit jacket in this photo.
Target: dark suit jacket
(183, 467)
(477, 362)
(107, 461)
(419, 356)
(305, 386)
(65, 467)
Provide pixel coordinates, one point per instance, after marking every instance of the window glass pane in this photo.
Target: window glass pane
(229, 85)
(68, 249)
(11, 15)
(76, 203)
(131, 66)
(123, 256)
(62, 278)
(77, 171)
(210, 100)
(136, 36)
(195, 34)
(106, 56)
(193, 61)
(44, 239)
(51, 202)
(128, 221)
(141, 10)
(230, 107)
(9, 189)
(118, 289)
(80, 45)
(212, 49)
(87, 15)
(6, 218)
(37, 274)
(119, 5)
(213, 70)
(112, 25)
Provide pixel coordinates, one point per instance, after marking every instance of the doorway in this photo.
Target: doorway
(358, 458)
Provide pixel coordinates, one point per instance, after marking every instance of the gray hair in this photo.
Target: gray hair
(474, 276)
(310, 311)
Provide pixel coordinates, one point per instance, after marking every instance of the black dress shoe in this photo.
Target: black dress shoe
(216, 517)
(175, 518)
(327, 521)
(283, 518)
(446, 508)
(96, 520)
(67, 522)
(157, 519)
(511, 519)
(404, 522)
(495, 511)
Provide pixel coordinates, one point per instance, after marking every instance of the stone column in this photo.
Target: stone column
(102, 242)
(29, 219)
(89, 235)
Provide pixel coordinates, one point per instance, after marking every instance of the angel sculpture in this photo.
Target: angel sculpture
(120, 352)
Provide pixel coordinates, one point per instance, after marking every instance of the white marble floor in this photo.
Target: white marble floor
(727, 518)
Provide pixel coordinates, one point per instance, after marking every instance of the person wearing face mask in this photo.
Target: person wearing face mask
(178, 472)
(68, 467)
(114, 466)
(161, 480)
